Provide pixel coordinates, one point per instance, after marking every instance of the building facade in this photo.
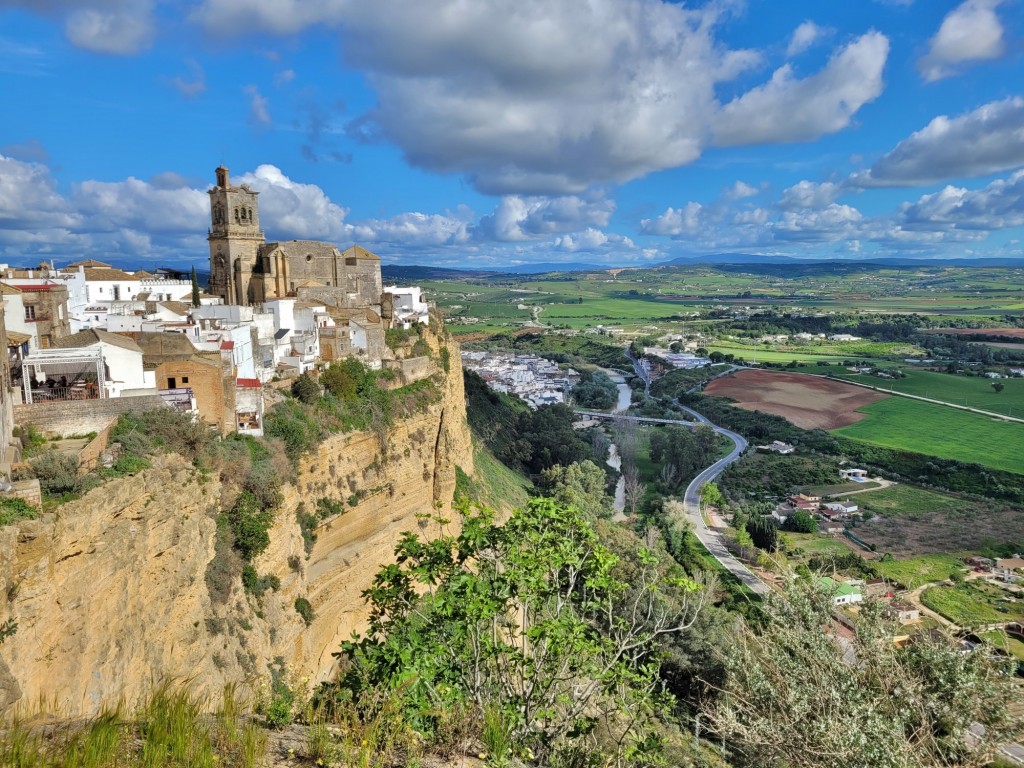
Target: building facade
(247, 270)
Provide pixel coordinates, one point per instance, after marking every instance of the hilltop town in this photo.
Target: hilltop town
(87, 341)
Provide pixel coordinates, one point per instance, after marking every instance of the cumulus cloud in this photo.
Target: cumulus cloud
(259, 106)
(29, 197)
(413, 229)
(999, 205)
(804, 36)
(787, 109)
(675, 221)
(740, 190)
(592, 240)
(293, 210)
(809, 194)
(518, 219)
(550, 97)
(988, 140)
(971, 32)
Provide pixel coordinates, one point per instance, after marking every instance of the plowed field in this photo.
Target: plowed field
(807, 401)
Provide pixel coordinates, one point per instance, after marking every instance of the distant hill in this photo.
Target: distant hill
(413, 272)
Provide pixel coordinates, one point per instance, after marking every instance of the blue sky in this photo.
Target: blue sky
(497, 132)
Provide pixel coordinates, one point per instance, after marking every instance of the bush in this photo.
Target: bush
(257, 585)
(13, 509)
(57, 473)
(305, 609)
(166, 428)
(307, 390)
(250, 525)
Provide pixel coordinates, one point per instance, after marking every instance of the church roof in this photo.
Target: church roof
(142, 274)
(299, 249)
(360, 253)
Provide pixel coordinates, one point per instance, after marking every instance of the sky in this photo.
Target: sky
(490, 133)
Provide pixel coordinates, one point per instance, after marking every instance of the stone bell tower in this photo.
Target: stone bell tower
(235, 239)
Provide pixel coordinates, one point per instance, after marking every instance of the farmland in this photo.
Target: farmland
(910, 501)
(811, 403)
(972, 604)
(938, 430)
(914, 572)
(972, 391)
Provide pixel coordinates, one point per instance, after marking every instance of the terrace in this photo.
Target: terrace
(63, 374)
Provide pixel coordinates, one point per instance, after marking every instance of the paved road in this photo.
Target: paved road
(641, 419)
(710, 538)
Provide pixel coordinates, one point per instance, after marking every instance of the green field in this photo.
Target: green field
(909, 500)
(970, 604)
(839, 488)
(815, 544)
(762, 355)
(918, 571)
(973, 391)
(911, 425)
(1001, 640)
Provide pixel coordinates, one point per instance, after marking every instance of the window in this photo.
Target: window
(117, 293)
(30, 313)
(184, 379)
(350, 262)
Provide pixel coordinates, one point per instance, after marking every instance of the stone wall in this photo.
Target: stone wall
(64, 418)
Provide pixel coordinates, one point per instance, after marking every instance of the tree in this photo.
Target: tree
(763, 532)
(798, 695)
(527, 620)
(195, 288)
(632, 489)
(998, 386)
(581, 485)
(801, 522)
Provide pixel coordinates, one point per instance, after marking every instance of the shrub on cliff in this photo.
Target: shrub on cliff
(57, 473)
(528, 621)
(13, 509)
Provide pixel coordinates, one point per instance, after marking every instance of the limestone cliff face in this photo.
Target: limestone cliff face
(110, 592)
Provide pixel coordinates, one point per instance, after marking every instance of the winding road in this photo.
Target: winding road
(711, 539)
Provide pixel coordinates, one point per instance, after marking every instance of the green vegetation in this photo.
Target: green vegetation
(574, 663)
(1005, 642)
(909, 500)
(971, 604)
(911, 425)
(13, 509)
(914, 572)
(911, 706)
(972, 391)
(171, 729)
(353, 400)
(595, 391)
(305, 609)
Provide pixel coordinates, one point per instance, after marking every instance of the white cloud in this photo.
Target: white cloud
(550, 97)
(809, 194)
(804, 36)
(675, 221)
(740, 190)
(999, 205)
(833, 222)
(413, 230)
(284, 77)
(29, 197)
(971, 32)
(259, 106)
(788, 109)
(988, 140)
(292, 210)
(517, 219)
(592, 240)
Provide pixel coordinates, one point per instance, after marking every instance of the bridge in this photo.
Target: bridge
(639, 419)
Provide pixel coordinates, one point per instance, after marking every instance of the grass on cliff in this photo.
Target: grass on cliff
(171, 729)
(492, 482)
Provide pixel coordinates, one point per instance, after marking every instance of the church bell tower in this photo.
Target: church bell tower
(235, 239)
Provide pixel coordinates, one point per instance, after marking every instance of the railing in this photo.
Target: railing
(84, 392)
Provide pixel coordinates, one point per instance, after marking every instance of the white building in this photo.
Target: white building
(408, 306)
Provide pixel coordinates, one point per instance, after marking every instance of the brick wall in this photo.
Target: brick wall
(78, 417)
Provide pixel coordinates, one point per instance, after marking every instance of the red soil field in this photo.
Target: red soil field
(807, 401)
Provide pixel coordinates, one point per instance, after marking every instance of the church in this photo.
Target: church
(247, 270)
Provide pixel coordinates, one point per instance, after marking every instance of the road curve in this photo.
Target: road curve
(712, 540)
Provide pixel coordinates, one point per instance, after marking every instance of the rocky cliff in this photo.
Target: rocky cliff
(111, 592)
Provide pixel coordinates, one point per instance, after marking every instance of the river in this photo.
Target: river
(614, 460)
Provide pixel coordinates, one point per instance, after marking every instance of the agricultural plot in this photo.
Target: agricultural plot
(937, 430)
(806, 401)
(972, 604)
(972, 391)
(914, 572)
(910, 501)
